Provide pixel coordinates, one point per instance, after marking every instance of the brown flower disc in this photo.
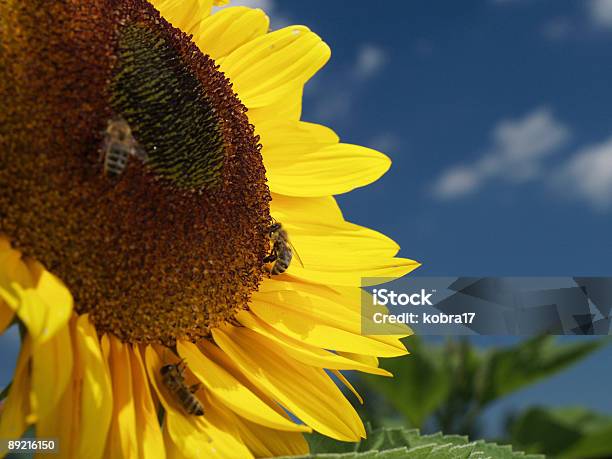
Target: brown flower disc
(172, 246)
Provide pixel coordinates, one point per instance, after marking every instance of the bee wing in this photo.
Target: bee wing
(297, 255)
(139, 152)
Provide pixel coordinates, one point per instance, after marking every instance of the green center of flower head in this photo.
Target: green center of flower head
(173, 119)
(171, 243)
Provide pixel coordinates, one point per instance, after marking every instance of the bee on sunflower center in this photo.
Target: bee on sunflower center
(118, 146)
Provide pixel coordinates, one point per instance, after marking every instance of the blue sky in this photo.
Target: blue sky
(498, 117)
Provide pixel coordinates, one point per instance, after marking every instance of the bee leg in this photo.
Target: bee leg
(196, 387)
(270, 258)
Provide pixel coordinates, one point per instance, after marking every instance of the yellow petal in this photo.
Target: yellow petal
(285, 141)
(6, 314)
(52, 365)
(122, 437)
(305, 353)
(96, 402)
(215, 354)
(184, 14)
(307, 392)
(345, 273)
(288, 107)
(264, 442)
(105, 347)
(306, 160)
(39, 299)
(67, 408)
(260, 440)
(54, 295)
(369, 360)
(223, 432)
(12, 269)
(173, 451)
(330, 170)
(14, 414)
(348, 385)
(328, 240)
(266, 69)
(233, 394)
(65, 431)
(223, 32)
(150, 439)
(323, 209)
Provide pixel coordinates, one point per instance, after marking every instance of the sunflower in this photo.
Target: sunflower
(165, 263)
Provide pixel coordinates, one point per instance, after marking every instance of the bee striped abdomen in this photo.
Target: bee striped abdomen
(283, 261)
(115, 161)
(119, 145)
(190, 403)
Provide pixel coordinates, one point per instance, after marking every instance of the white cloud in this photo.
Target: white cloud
(601, 12)
(536, 134)
(370, 60)
(458, 181)
(597, 15)
(587, 176)
(515, 154)
(387, 142)
(558, 28)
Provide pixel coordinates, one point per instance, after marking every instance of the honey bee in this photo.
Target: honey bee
(282, 250)
(118, 145)
(173, 377)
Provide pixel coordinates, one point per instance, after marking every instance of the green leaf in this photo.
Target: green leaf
(509, 369)
(410, 444)
(564, 432)
(460, 410)
(420, 384)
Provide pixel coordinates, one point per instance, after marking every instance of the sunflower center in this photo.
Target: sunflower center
(171, 243)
